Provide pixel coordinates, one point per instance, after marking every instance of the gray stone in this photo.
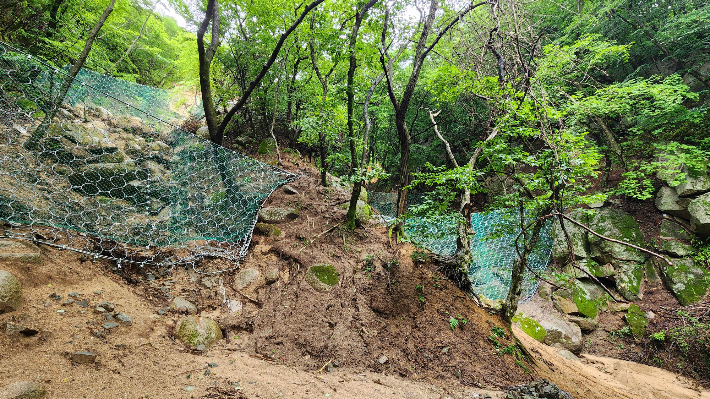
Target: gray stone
(83, 357)
(271, 276)
(99, 309)
(686, 280)
(19, 251)
(124, 318)
(245, 278)
(290, 190)
(567, 355)
(676, 248)
(382, 360)
(109, 306)
(564, 305)
(667, 201)
(276, 215)
(10, 292)
(699, 210)
(196, 331)
(561, 333)
(182, 305)
(83, 303)
(695, 183)
(189, 388)
(22, 390)
(585, 324)
(617, 224)
(673, 230)
(109, 326)
(19, 329)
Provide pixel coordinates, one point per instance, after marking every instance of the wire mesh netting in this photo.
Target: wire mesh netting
(492, 247)
(94, 173)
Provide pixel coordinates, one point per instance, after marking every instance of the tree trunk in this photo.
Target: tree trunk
(33, 142)
(350, 90)
(205, 60)
(133, 44)
(510, 306)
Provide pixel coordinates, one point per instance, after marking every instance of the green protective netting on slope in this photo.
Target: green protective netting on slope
(112, 179)
(492, 247)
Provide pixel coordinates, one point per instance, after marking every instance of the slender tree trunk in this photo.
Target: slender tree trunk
(33, 142)
(350, 90)
(133, 44)
(510, 306)
(205, 56)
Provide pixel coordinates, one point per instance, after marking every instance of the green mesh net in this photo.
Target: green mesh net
(111, 178)
(492, 247)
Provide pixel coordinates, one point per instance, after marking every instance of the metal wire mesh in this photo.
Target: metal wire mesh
(492, 247)
(111, 178)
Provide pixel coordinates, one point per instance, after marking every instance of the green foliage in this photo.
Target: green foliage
(674, 163)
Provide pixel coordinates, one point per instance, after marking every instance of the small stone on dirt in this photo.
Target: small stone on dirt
(10, 292)
(244, 278)
(290, 190)
(124, 318)
(83, 357)
(83, 303)
(74, 294)
(182, 305)
(382, 360)
(189, 388)
(196, 331)
(99, 309)
(109, 326)
(109, 306)
(271, 276)
(68, 302)
(22, 390)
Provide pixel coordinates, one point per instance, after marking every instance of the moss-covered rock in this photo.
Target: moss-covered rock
(266, 146)
(585, 300)
(10, 292)
(628, 279)
(198, 332)
(617, 224)
(637, 321)
(676, 248)
(667, 201)
(322, 277)
(673, 230)
(363, 213)
(266, 229)
(530, 327)
(699, 210)
(688, 281)
(277, 215)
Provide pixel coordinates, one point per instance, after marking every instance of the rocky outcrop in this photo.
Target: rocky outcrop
(600, 257)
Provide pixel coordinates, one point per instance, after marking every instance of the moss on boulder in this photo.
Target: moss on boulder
(688, 281)
(530, 327)
(637, 321)
(322, 277)
(198, 332)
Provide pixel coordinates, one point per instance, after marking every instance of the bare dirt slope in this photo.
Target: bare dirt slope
(383, 331)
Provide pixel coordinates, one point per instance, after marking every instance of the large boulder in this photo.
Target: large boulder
(688, 281)
(363, 213)
(667, 201)
(198, 332)
(696, 182)
(699, 210)
(627, 261)
(10, 292)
